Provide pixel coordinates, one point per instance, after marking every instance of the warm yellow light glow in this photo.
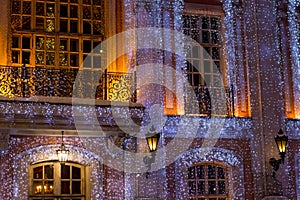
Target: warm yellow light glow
(152, 142)
(281, 141)
(62, 154)
(38, 189)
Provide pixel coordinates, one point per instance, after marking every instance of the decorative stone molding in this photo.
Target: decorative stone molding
(232, 127)
(44, 113)
(275, 198)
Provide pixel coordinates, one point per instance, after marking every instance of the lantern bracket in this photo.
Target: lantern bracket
(148, 160)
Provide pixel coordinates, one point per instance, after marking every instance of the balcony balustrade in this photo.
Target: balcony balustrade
(36, 81)
(111, 86)
(222, 103)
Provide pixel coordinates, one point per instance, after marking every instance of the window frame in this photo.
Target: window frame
(57, 193)
(73, 59)
(210, 11)
(206, 196)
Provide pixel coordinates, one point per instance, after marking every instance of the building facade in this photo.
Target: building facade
(216, 79)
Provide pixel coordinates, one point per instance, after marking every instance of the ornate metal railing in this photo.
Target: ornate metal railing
(36, 81)
(210, 101)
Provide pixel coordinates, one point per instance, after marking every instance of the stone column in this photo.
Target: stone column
(266, 91)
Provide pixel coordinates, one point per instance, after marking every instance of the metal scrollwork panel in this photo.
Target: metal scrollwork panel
(120, 87)
(28, 81)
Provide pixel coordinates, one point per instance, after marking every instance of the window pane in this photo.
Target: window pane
(205, 37)
(39, 58)
(96, 29)
(194, 21)
(215, 38)
(26, 43)
(73, 11)
(37, 187)
(64, 10)
(27, 7)
(74, 60)
(38, 173)
(76, 187)
(207, 68)
(87, 46)
(25, 57)
(64, 25)
(50, 44)
(48, 187)
(97, 62)
(26, 23)
(50, 58)
(214, 23)
(39, 43)
(200, 172)
(95, 44)
(192, 188)
(201, 187)
(221, 187)
(87, 27)
(15, 42)
(205, 23)
(211, 170)
(63, 59)
(39, 23)
(63, 46)
(65, 171)
(195, 52)
(40, 9)
(74, 27)
(76, 173)
(16, 7)
(87, 61)
(206, 52)
(195, 35)
(87, 14)
(211, 187)
(15, 56)
(50, 25)
(50, 10)
(74, 45)
(215, 53)
(48, 172)
(65, 187)
(221, 173)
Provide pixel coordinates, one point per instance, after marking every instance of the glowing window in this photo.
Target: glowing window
(55, 181)
(51, 33)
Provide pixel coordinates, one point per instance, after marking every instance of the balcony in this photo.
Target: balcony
(101, 85)
(36, 81)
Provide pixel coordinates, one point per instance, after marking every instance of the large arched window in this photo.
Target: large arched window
(55, 181)
(208, 181)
